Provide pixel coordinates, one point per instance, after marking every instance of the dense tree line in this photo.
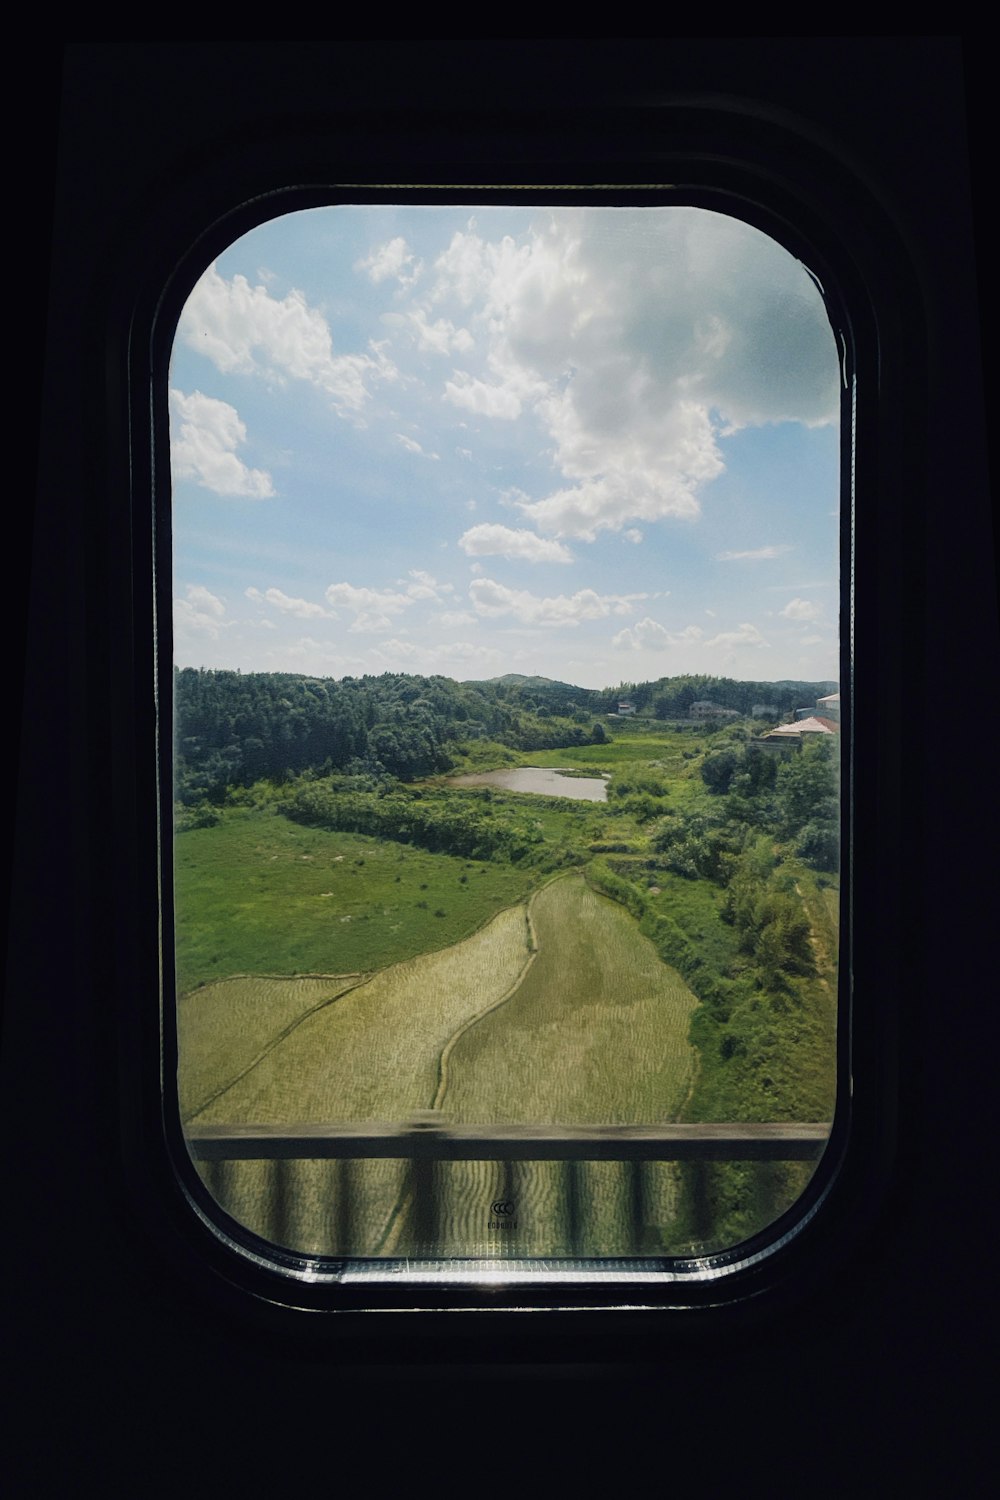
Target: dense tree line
(672, 697)
(796, 800)
(467, 825)
(233, 729)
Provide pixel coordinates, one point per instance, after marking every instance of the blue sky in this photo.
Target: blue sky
(598, 444)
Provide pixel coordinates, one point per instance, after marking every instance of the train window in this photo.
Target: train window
(506, 570)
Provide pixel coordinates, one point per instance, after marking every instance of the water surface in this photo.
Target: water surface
(542, 779)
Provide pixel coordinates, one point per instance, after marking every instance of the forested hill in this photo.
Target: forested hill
(236, 728)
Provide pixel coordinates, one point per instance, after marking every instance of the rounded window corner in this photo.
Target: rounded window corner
(730, 1274)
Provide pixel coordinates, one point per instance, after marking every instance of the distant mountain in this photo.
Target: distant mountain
(518, 679)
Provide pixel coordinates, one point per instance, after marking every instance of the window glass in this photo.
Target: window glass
(507, 730)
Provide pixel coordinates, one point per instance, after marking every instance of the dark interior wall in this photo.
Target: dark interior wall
(122, 1366)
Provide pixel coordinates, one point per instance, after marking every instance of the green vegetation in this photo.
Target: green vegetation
(258, 894)
(235, 730)
(597, 1031)
(379, 921)
(374, 1053)
(564, 1014)
(225, 1029)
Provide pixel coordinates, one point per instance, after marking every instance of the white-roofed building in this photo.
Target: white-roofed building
(789, 737)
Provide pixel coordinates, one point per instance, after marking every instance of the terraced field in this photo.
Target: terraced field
(374, 1053)
(596, 1032)
(225, 1029)
(555, 1012)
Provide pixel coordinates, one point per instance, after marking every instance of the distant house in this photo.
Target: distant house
(626, 710)
(706, 710)
(828, 706)
(788, 738)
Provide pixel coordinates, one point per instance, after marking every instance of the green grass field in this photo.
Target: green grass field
(258, 894)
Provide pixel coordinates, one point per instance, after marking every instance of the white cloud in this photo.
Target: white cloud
(303, 609)
(503, 541)
(754, 555)
(466, 268)
(200, 615)
(396, 648)
(208, 603)
(377, 610)
(391, 259)
(412, 446)
(633, 535)
(425, 586)
(449, 657)
(637, 351)
(244, 329)
(317, 658)
(746, 635)
(494, 600)
(647, 635)
(205, 434)
(475, 395)
(373, 609)
(439, 337)
(801, 609)
(629, 470)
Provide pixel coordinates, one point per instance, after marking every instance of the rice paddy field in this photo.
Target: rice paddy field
(556, 1011)
(374, 1052)
(596, 1032)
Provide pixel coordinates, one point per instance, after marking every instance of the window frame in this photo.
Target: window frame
(785, 185)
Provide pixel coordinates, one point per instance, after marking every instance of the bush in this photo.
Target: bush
(819, 845)
(200, 816)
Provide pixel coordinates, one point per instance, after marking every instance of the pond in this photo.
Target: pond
(547, 782)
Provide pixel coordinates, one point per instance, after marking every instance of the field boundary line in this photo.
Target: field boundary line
(259, 974)
(456, 1036)
(279, 1038)
(362, 979)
